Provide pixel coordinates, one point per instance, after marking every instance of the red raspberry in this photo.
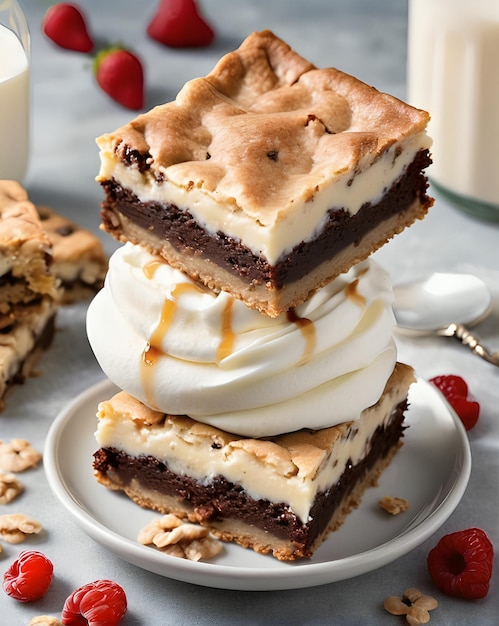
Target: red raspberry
(467, 410)
(29, 577)
(455, 390)
(101, 603)
(461, 564)
(450, 385)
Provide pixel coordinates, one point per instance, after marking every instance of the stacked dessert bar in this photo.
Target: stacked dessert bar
(29, 293)
(35, 264)
(243, 319)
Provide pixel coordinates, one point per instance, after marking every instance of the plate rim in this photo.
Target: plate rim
(211, 574)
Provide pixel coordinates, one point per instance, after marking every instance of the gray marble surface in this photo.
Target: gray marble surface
(362, 37)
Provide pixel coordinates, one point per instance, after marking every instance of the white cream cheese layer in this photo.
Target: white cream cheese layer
(184, 350)
(269, 476)
(299, 217)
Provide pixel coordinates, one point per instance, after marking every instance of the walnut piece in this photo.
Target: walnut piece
(394, 506)
(18, 455)
(10, 487)
(44, 620)
(181, 539)
(14, 527)
(413, 604)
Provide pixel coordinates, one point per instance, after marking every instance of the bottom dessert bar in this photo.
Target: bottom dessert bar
(281, 495)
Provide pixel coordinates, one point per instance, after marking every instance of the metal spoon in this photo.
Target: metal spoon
(446, 305)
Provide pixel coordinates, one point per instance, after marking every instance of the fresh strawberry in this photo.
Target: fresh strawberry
(100, 603)
(29, 577)
(65, 25)
(120, 74)
(461, 564)
(178, 24)
(455, 390)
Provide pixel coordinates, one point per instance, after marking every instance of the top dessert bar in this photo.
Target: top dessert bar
(268, 177)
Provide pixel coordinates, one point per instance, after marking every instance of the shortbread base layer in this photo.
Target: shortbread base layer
(222, 263)
(234, 515)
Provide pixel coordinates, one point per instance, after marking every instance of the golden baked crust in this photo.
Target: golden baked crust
(265, 129)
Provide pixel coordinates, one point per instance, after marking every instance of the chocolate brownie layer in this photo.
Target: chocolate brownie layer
(168, 223)
(216, 501)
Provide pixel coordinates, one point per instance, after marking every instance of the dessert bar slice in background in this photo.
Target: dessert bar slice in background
(29, 290)
(26, 256)
(22, 343)
(268, 177)
(45, 261)
(280, 494)
(79, 260)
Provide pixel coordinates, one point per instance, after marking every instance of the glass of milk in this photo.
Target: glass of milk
(453, 73)
(14, 91)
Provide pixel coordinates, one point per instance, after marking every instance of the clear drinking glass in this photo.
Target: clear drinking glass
(453, 73)
(14, 91)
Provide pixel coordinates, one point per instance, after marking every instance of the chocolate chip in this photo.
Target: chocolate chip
(64, 231)
(273, 155)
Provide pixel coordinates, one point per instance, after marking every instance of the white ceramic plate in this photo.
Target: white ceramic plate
(431, 471)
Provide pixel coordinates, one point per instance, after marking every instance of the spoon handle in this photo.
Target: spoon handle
(469, 339)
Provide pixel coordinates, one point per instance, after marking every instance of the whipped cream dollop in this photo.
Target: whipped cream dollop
(184, 350)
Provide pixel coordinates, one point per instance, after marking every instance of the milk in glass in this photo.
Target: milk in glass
(453, 73)
(14, 97)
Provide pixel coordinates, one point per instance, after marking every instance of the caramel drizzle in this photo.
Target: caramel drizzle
(352, 294)
(307, 329)
(150, 268)
(152, 350)
(227, 344)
